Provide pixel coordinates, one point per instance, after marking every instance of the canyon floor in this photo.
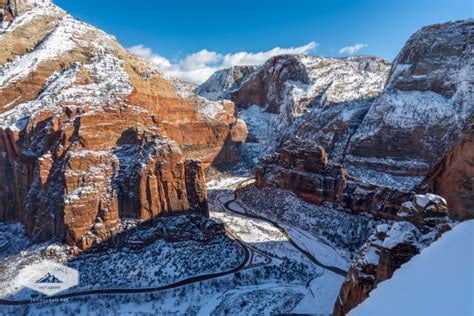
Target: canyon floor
(255, 267)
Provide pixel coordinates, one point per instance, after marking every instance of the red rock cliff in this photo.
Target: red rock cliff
(90, 134)
(453, 176)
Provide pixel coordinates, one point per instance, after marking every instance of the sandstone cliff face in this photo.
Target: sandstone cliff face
(425, 104)
(368, 186)
(389, 126)
(390, 246)
(90, 134)
(302, 167)
(266, 86)
(8, 11)
(453, 176)
(322, 99)
(334, 136)
(291, 85)
(414, 220)
(71, 176)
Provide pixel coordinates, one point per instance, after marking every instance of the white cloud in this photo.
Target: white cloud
(245, 58)
(144, 51)
(350, 50)
(197, 67)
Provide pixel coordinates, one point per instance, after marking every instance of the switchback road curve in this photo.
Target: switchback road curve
(228, 207)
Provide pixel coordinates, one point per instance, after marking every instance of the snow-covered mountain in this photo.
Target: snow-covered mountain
(425, 104)
(424, 113)
(98, 149)
(285, 91)
(223, 83)
(438, 281)
(390, 138)
(90, 133)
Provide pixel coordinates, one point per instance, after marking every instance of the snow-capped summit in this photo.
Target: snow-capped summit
(224, 82)
(288, 90)
(425, 105)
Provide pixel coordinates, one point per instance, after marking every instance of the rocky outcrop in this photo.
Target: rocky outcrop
(75, 178)
(291, 84)
(425, 104)
(302, 167)
(390, 246)
(266, 87)
(322, 99)
(453, 176)
(410, 103)
(171, 229)
(224, 83)
(90, 134)
(196, 186)
(413, 220)
(8, 10)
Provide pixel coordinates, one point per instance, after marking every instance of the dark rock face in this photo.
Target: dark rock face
(426, 102)
(404, 133)
(317, 98)
(390, 246)
(303, 156)
(224, 83)
(171, 229)
(453, 176)
(196, 186)
(8, 10)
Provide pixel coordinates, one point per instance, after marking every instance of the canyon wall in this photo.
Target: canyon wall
(90, 134)
(425, 104)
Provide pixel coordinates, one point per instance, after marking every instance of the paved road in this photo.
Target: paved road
(246, 263)
(227, 206)
(249, 255)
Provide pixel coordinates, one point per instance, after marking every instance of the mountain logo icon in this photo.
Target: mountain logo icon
(49, 278)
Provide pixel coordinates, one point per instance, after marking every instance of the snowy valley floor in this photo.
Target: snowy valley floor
(290, 282)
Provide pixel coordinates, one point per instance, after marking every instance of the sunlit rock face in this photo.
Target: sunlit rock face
(414, 138)
(428, 96)
(425, 104)
(90, 134)
(303, 167)
(316, 98)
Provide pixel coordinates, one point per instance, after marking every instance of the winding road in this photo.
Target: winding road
(249, 262)
(199, 278)
(228, 206)
(250, 254)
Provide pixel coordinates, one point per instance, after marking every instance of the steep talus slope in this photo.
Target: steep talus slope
(89, 133)
(424, 106)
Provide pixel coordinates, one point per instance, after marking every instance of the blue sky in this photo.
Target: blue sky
(179, 28)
